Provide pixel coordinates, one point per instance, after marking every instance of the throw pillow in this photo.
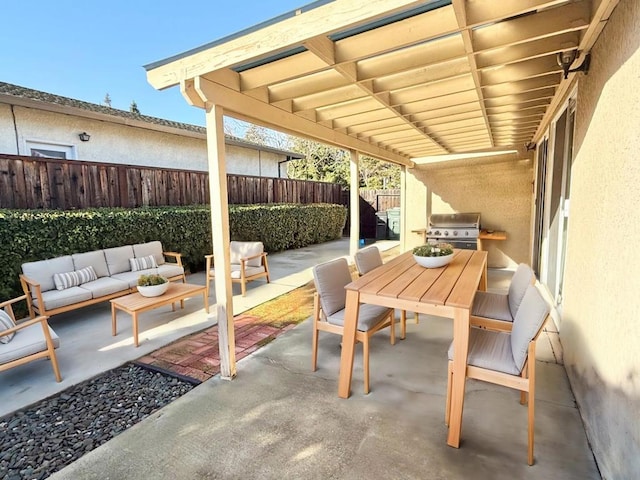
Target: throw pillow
(6, 322)
(143, 263)
(75, 278)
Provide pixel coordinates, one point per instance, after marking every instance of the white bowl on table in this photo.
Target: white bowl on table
(433, 262)
(153, 290)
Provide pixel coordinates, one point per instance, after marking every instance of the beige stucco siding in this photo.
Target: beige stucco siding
(7, 131)
(124, 144)
(499, 189)
(600, 330)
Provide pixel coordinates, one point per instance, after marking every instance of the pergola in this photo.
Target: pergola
(397, 80)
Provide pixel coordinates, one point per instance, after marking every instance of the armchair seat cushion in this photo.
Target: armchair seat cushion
(492, 305)
(368, 317)
(27, 341)
(236, 271)
(490, 350)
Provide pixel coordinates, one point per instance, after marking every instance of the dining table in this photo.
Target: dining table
(446, 291)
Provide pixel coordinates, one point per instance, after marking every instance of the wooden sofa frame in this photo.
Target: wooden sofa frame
(32, 290)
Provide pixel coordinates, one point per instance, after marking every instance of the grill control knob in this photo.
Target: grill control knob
(446, 233)
(437, 233)
(455, 234)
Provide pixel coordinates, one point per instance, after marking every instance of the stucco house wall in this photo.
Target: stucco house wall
(117, 138)
(601, 311)
(498, 187)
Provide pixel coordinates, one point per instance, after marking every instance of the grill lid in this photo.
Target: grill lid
(454, 220)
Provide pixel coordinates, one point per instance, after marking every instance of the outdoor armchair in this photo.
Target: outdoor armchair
(248, 262)
(368, 259)
(329, 303)
(507, 357)
(27, 340)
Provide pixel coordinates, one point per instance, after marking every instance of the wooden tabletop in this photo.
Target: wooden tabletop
(176, 291)
(405, 281)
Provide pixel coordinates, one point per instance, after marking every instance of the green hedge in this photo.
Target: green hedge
(29, 235)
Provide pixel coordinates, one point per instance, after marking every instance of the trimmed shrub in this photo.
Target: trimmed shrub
(29, 235)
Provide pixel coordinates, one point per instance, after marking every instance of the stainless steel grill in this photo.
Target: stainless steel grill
(459, 229)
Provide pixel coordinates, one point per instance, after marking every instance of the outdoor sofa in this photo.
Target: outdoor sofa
(73, 281)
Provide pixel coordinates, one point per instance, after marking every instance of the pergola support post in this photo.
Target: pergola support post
(221, 239)
(354, 202)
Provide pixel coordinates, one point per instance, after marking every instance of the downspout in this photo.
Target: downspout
(15, 129)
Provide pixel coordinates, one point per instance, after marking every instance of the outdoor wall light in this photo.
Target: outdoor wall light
(84, 137)
(565, 59)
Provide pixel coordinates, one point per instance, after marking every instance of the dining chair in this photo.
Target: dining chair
(329, 302)
(490, 308)
(26, 340)
(368, 259)
(507, 356)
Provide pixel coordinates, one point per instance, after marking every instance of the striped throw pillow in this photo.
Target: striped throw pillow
(143, 263)
(75, 278)
(6, 322)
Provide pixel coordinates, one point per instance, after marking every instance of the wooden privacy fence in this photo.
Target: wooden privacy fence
(37, 183)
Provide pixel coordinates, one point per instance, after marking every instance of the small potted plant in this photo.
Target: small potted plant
(433, 255)
(152, 285)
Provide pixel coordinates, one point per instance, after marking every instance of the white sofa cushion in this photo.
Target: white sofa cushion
(118, 259)
(131, 278)
(169, 270)
(61, 298)
(42, 271)
(105, 286)
(150, 248)
(93, 259)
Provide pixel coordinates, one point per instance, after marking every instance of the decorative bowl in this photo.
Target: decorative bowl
(153, 290)
(433, 262)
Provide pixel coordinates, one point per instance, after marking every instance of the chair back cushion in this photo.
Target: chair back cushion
(518, 287)
(367, 259)
(330, 279)
(527, 323)
(239, 250)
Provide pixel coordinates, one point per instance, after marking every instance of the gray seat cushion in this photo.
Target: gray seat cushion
(491, 350)
(248, 271)
(105, 286)
(368, 317)
(492, 305)
(367, 259)
(169, 270)
(26, 342)
(131, 278)
(61, 298)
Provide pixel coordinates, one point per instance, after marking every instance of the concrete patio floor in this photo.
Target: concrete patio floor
(278, 419)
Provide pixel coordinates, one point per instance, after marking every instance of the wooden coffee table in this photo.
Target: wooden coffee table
(134, 303)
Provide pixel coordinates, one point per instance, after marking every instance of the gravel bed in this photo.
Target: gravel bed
(45, 437)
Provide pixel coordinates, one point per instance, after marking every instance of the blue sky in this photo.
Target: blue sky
(85, 49)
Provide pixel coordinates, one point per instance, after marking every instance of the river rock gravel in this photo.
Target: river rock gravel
(45, 437)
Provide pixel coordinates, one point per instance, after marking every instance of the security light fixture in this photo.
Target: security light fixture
(565, 59)
(84, 137)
